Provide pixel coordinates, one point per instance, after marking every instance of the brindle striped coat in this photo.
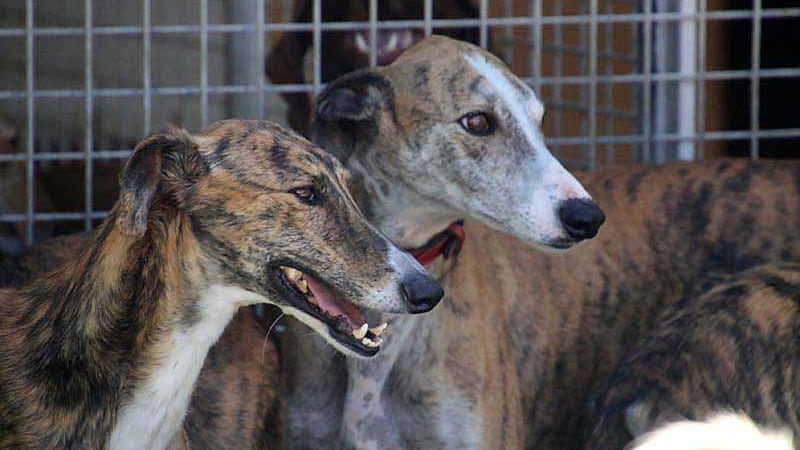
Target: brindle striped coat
(523, 338)
(557, 323)
(235, 402)
(734, 348)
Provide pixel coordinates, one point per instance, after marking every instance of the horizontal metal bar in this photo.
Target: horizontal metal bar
(785, 133)
(181, 90)
(668, 76)
(396, 24)
(782, 133)
(602, 111)
(52, 216)
(567, 49)
(66, 156)
(278, 88)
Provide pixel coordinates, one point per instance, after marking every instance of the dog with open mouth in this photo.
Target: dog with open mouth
(104, 351)
(346, 51)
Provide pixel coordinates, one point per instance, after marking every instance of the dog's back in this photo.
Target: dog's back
(737, 348)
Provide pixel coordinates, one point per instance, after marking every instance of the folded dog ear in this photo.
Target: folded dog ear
(344, 104)
(348, 107)
(165, 159)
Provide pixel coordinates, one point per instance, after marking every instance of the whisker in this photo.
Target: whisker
(266, 338)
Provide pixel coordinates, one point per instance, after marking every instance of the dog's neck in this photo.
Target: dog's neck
(410, 219)
(118, 337)
(400, 212)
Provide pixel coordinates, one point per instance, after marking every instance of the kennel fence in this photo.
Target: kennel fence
(624, 80)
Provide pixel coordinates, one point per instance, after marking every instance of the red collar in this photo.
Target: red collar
(447, 243)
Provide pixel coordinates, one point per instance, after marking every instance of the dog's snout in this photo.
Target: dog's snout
(581, 218)
(421, 292)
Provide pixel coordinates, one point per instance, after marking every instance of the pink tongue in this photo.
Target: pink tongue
(335, 307)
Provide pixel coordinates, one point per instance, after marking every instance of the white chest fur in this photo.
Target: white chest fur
(157, 408)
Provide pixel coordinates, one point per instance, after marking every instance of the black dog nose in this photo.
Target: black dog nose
(421, 292)
(581, 218)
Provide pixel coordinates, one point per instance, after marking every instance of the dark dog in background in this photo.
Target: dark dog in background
(345, 51)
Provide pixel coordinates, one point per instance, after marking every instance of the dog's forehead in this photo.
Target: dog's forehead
(263, 149)
(457, 75)
(492, 79)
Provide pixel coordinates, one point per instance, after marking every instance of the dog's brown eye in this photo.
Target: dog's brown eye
(307, 194)
(477, 123)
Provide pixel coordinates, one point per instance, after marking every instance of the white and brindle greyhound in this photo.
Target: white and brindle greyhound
(445, 131)
(104, 352)
(523, 337)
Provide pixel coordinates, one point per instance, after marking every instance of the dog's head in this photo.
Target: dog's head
(271, 214)
(454, 132)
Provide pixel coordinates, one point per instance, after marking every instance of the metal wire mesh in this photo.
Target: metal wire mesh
(624, 80)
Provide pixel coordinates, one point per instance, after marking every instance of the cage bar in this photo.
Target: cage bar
(89, 132)
(568, 74)
(755, 59)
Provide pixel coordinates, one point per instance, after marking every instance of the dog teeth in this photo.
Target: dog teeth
(361, 43)
(361, 332)
(370, 343)
(292, 274)
(302, 285)
(392, 44)
(377, 331)
(313, 300)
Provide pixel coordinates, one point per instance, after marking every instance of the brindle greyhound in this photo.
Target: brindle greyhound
(734, 348)
(104, 351)
(523, 337)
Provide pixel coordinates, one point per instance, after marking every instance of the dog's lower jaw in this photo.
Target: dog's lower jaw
(159, 403)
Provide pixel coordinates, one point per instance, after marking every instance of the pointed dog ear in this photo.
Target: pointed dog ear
(349, 107)
(168, 160)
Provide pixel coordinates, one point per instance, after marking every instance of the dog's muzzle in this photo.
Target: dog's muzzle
(581, 218)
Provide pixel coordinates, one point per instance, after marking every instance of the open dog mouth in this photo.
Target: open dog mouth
(389, 44)
(345, 321)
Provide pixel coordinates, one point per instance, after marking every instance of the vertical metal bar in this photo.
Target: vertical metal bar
(89, 97)
(428, 17)
(29, 81)
(316, 17)
(647, 88)
(583, 92)
(508, 34)
(536, 62)
(701, 81)
(262, 57)
(146, 98)
(593, 84)
(203, 63)
(686, 88)
(663, 109)
(635, 54)
(484, 24)
(755, 64)
(243, 60)
(558, 67)
(608, 49)
(373, 33)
